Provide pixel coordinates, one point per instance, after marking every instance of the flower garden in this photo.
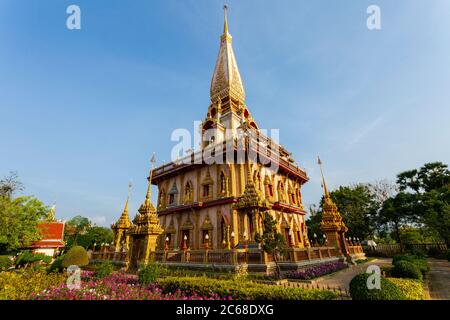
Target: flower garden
(34, 278)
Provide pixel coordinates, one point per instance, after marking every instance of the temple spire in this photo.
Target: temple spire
(324, 184)
(125, 210)
(225, 20)
(226, 81)
(149, 189)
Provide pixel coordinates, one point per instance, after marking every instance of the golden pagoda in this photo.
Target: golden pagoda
(144, 231)
(121, 227)
(332, 225)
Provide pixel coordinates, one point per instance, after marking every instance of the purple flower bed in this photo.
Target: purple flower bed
(118, 286)
(316, 271)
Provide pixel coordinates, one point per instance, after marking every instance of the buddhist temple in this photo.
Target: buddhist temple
(211, 203)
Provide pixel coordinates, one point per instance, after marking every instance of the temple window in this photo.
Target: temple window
(292, 196)
(173, 195)
(205, 190)
(268, 187)
(188, 193)
(281, 195)
(223, 184)
(162, 199)
(257, 179)
(207, 185)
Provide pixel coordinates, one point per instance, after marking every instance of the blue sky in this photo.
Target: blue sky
(82, 111)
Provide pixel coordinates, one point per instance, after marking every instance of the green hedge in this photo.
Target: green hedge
(56, 266)
(77, 255)
(419, 262)
(148, 274)
(5, 263)
(387, 291)
(104, 269)
(406, 269)
(241, 289)
(27, 257)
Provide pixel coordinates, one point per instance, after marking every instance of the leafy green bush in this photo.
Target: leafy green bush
(419, 262)
(103, 269)
(412, 289)
(149, 273)
(448, 254)
(27, 257)
(406, 269)
(20, 285)
(241, 289)
(5, 263)
(418, 253)
(56, 266)
(386, 270)
(387, 291)
(77, 255)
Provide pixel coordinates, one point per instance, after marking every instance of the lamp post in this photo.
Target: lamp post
(324, 239)
(166, 245)
(224, 244)
(315, 240)
(206, 241)
(184, 242)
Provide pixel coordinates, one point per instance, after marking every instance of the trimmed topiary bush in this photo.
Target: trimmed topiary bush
(419, 262)
(77, 256)
(387, 291)
(5, 263)
(406, 269)
(103, 269)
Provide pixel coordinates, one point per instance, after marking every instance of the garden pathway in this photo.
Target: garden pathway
(439, 279)
(342, 278)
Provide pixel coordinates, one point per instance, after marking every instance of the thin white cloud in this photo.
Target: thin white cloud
(364, 132)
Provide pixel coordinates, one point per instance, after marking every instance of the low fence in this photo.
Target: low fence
(390, 250)
(251, 256)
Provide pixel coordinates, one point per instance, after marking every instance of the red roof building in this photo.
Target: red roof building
(52, 238)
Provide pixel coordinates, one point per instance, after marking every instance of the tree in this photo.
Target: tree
(19, 218)
(431, 189)
(272, 242)
(95, 235)
(313, 222)
(74, 228)
(431, 176)
(357, 206)
(398, 211)
(435, 211)
(10, 184)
